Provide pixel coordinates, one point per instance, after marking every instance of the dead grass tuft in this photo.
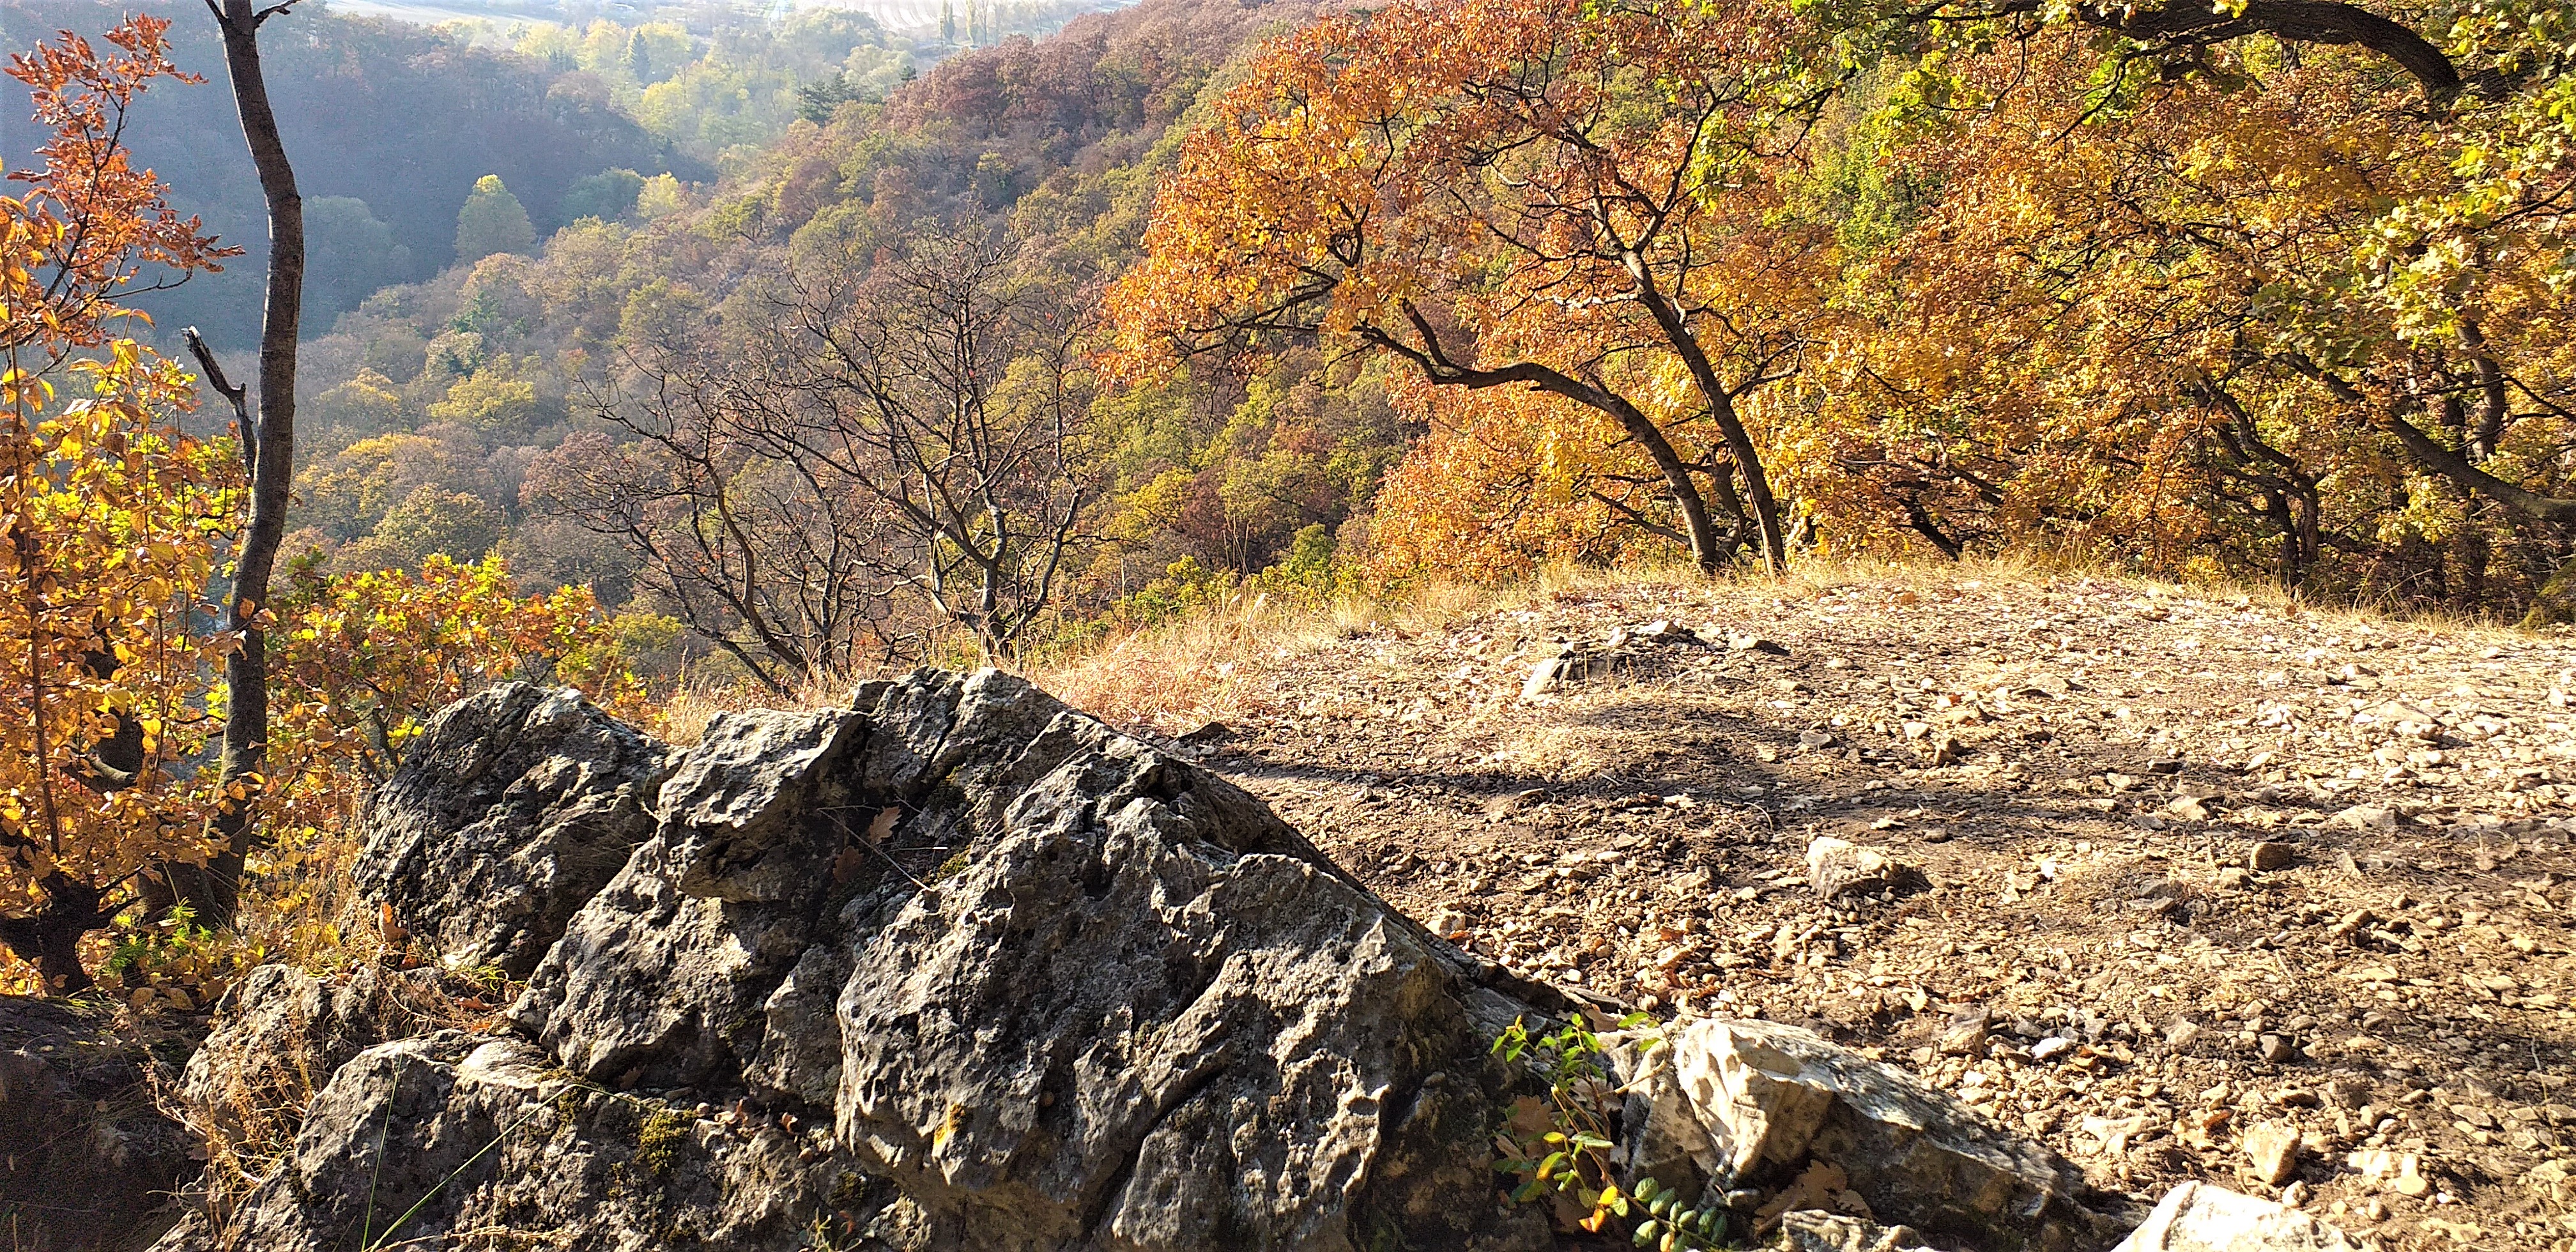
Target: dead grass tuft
(1175, 677)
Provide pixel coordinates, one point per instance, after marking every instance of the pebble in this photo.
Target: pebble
(2273, 1148)
(1967, 1033)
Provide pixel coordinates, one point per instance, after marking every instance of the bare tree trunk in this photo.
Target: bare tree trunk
(269, 446)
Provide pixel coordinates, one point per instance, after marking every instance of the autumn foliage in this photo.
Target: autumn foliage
(116, 529)
(2231, 294)
(111, 519)
(1588, 204)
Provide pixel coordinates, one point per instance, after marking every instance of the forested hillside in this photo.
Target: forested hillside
(1971, 301)
(397, 123)
(584, 409)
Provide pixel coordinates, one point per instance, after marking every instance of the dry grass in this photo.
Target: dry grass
(1184, 674)
(248, 1105)
(1212, 666)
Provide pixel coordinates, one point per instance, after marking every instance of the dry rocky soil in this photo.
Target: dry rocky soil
(2185, 885)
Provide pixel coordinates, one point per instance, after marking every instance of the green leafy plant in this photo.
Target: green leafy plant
(1562, 1150)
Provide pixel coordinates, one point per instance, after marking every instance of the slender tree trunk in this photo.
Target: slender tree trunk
(270, 449)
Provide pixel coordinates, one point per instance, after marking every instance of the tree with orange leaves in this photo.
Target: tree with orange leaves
(1584, 202)
(110, 519)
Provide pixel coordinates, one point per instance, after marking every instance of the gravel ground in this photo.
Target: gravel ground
(2186, 885)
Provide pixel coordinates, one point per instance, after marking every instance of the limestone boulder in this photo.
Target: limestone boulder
(2197, 1217)
(1737, 1104)
(280, 1034)
(512, 809)
(950, 967)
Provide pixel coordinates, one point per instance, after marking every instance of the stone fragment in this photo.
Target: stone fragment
(2051, 1048)
(1666, 632)
(514, 807)
(1966, 1034)
(2188, 808)
(2402, 1172)
(2275, 1050)
(2197, 1217)
(1745, 641)
(2270, 855)
(2367, 817)
(1731, 1103)
(1543, 677)
(1816, 739)
(2273, 1149)
(1837, 868)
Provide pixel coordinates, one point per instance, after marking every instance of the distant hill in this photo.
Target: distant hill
(401, 117)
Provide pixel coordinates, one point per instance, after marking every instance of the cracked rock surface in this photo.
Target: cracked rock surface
(515, 807)
(950, 967)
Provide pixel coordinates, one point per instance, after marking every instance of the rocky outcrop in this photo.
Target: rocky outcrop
(86, 1159)
(1749, 1104)
(513, 808)
(952, 967)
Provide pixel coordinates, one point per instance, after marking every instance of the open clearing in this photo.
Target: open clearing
(2087, 773)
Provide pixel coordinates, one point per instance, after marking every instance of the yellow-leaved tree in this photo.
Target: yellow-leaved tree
(117, 536)
(111, 520)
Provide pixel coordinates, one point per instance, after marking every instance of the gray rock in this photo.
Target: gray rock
(90, 1160)
(1837, 868)
(451, 1132)
(1808, 1230)
(747, 810)
(2197, 1217)
(279, 1034)
(1728, 1103)
(962, 969)
(513, 808)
